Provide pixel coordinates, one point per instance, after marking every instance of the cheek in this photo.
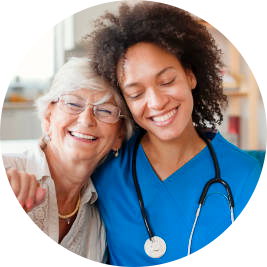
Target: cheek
(112, 134)
(59, 124)
(111, 137)
(136, 107)
(184, 94)
(188, 102)
(189, 95)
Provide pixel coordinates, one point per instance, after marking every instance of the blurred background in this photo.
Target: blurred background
(244, 120)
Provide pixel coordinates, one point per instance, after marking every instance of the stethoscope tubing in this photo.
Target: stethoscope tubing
(217, 178)
(202, 198)
(137, 187)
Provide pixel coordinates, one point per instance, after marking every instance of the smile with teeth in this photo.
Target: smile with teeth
(164, 117)
(83, 136)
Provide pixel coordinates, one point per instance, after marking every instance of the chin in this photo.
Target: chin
(76, 156)
(169, 138)
(167, 134)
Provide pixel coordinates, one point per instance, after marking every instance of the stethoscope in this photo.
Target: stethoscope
(155, 246)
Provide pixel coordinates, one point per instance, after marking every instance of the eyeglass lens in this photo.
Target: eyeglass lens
(105, 112)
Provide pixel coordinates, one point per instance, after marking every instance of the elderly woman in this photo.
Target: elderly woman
(82, 120)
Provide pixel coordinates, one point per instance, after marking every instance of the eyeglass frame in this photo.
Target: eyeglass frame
(120, 116)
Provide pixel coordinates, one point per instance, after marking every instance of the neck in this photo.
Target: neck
(68, 175)
(168, 156)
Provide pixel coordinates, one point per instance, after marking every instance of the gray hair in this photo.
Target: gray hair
(77, 74)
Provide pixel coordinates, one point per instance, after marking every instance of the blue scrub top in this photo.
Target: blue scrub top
(170, 205)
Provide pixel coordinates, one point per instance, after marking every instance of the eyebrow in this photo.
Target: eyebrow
(157, 75)
(105, 99)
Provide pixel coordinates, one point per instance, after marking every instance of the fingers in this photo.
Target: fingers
(40, 195)
(14, 180)
(26, 188)
(25, 184)
(31, 193)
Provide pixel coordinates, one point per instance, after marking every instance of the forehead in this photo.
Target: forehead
(145, 59)
(94, 96)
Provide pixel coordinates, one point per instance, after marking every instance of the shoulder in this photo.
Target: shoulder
(125, 154)
(15, 160)
(233, 156)
(32, 161)
(118, 167)
(238, 168)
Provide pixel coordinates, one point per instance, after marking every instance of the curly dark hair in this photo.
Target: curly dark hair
(177, 32)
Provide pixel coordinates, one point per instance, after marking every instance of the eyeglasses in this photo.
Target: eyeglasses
(105, 112)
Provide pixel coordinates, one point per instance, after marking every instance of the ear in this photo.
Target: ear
(119, 139)
(47, 119)
(191, 79)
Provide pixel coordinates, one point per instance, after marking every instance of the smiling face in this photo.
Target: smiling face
(158, 90)
(82, 136)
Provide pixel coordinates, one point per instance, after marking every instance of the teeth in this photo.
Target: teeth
(164, 117)
(79, 135)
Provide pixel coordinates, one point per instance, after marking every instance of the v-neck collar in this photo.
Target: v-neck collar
(188, 164)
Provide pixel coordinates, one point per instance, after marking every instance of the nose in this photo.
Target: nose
(87, 118)
(156, 99)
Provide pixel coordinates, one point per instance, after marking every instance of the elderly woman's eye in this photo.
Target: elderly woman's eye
(73, 105)
(105, 111)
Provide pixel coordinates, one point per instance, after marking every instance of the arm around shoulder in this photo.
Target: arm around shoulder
(24, 185)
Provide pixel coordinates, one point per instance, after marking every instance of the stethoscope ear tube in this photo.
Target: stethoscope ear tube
(217, 178)
(209, 183)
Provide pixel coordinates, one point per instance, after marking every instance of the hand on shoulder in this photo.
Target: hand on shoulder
(26, 188)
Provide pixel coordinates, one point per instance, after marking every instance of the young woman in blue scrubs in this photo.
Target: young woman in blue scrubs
(167, 67)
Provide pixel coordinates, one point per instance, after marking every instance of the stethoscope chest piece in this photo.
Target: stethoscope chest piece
(155, 247)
